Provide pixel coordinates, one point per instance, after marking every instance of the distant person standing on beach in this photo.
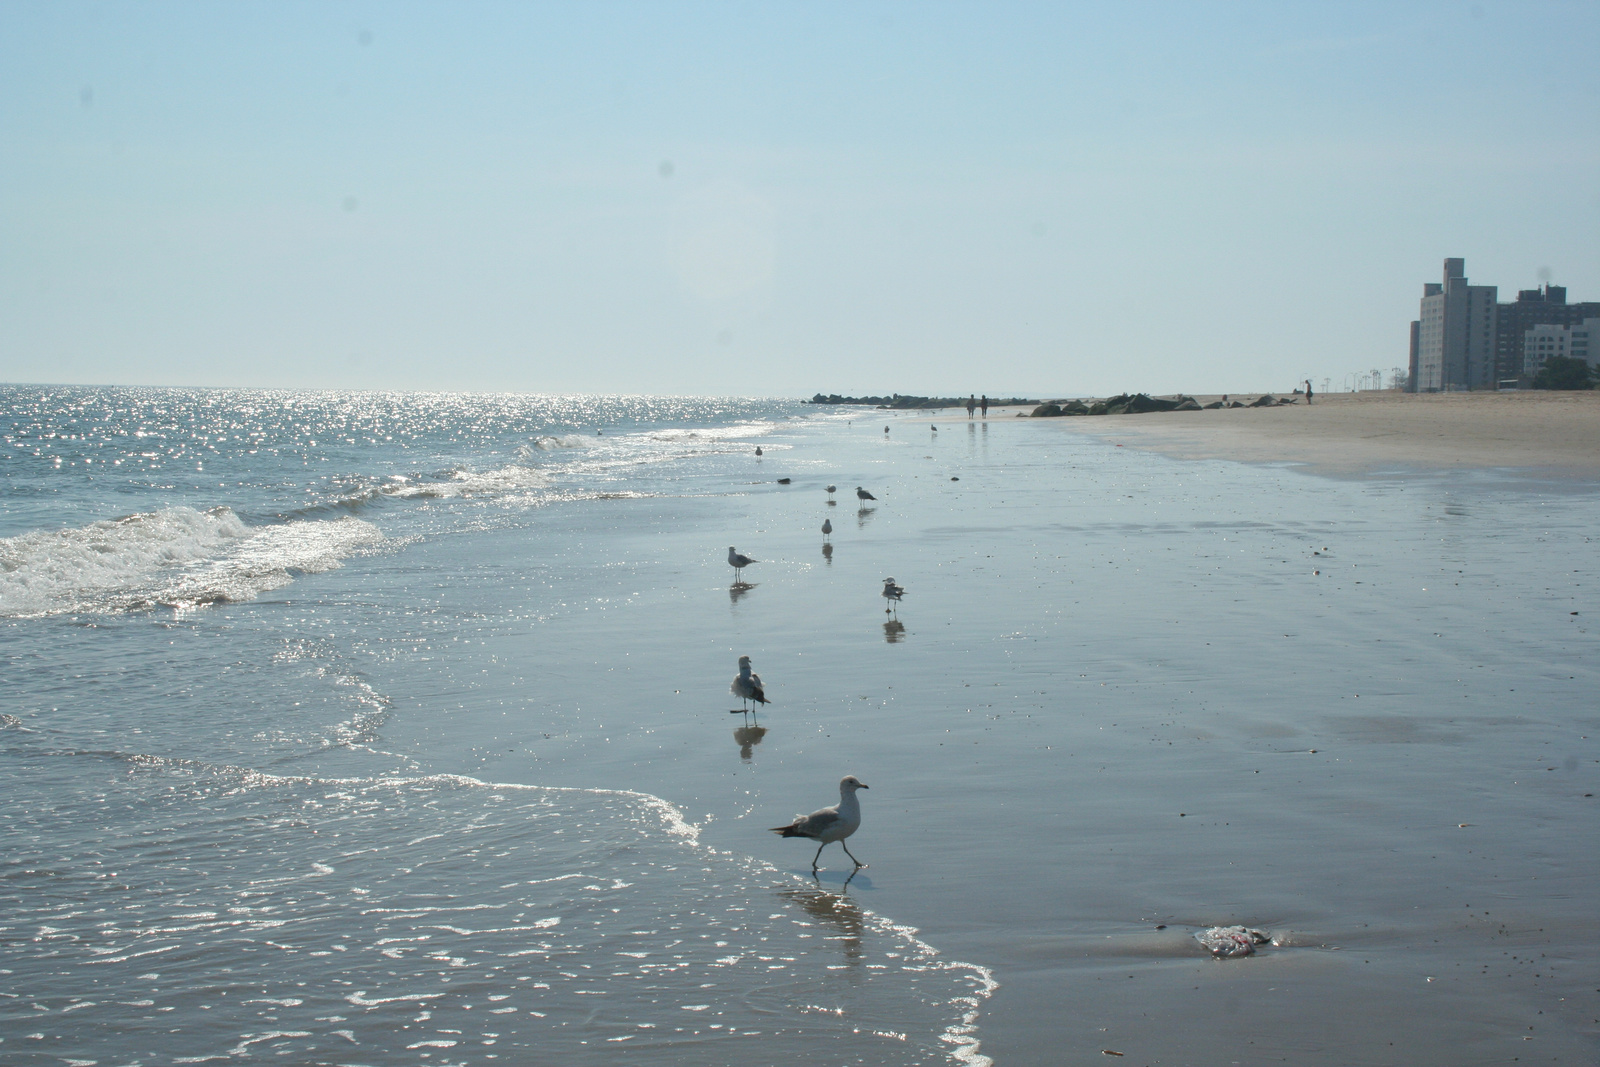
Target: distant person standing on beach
(984, 403)
(1308, 392)
(972, 403)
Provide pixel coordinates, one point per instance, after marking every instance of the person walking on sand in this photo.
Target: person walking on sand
(972, 404)
(984, 404)
(1308, 392)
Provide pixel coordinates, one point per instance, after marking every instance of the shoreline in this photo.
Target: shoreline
(1548, 434)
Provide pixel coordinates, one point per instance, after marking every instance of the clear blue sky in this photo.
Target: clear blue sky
(776, 198)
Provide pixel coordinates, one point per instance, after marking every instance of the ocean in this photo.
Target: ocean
(366, 728)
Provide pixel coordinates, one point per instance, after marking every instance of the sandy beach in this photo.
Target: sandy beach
(478, 784)
(1553, 434)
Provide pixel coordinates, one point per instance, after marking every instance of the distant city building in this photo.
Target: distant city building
(1466, 340)
(1456, 333)
(1541, 342)
(1535, 307)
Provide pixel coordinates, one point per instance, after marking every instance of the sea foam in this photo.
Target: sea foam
(176, 557)
(436, 911)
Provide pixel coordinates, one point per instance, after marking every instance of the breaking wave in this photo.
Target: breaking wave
(177, 557)
(440, 911)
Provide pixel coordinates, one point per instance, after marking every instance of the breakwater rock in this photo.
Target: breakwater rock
(1139, 404)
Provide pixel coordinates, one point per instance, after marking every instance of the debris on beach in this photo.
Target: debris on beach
(1231, 942)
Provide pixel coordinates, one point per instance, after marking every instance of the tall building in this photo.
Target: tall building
(1455, 334)
(1546, 306)
(1416, 356)
(1579, 341)
(1466, 340)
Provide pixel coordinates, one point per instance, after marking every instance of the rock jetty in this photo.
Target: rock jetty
(1140, 403)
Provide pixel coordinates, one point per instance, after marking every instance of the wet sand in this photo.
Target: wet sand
(1554, 434)
(1125, 699)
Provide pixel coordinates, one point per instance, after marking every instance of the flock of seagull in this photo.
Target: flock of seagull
(825, 825)
(891, 592)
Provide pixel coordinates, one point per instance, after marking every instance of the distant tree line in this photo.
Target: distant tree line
(899, 400)
(1564, 372)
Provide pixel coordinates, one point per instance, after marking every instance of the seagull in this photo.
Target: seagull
(747, 686)
(830, 824)
(863, 496)
(758, 450)
(738, 562)
(892, 593)
(827, 527)
(831, 490)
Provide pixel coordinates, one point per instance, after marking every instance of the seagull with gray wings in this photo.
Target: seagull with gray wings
(739, 561)
(830, 824)
(892, 593)
(747, 687)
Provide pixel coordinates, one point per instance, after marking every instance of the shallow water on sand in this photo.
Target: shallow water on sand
(225, 844)
(1125, 698)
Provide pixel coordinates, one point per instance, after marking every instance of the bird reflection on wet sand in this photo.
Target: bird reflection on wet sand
(827, 552)
(835, 911)
(747, 738)
(862, 516)
(739, 589)
(894, 631)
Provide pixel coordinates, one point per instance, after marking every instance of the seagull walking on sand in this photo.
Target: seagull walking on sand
(863, 496)
(827, 528)
(892, 593)
(831, 490)
(747, 687)
(738, 561)
(830, 824)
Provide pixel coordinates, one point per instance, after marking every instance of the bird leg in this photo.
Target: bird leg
(852, 855)
(818, 856)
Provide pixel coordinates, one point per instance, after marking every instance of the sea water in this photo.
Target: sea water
(215, 848)
(366, 727)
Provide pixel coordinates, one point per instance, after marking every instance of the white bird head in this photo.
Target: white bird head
(850, 783)
(888, 581)
(744, 663)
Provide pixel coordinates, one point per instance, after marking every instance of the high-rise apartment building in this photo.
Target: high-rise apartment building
(1455, 337)
(1579, 341)
(1546, 306)
(1466, 340)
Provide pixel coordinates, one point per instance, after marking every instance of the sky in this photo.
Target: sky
(777, 199)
